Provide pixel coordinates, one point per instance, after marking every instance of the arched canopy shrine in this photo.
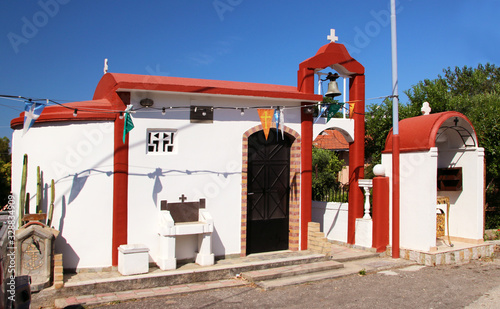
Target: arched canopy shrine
(440, 160)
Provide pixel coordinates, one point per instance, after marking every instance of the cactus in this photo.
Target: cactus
(52, 197)
(38, 190)
(27, 204)
(22, 195)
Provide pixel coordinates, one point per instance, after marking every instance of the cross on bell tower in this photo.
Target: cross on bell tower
(332, 37)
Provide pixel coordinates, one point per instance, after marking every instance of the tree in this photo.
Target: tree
(326, 166)
(5, 168)
(473, 92)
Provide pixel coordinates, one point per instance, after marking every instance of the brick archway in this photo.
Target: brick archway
(294, 217)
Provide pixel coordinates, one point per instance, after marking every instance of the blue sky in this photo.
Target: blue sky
(56, 48)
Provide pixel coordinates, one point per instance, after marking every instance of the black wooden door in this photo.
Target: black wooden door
(268, 192)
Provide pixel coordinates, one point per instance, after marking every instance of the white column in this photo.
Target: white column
(205, 257)
(364, 226)
(366, 184)
(167, 260)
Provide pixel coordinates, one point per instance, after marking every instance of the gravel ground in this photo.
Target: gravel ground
(474, 285)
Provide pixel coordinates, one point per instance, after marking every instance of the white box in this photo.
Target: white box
(133, 259)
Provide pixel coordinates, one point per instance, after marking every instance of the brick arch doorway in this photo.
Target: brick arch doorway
(270, 214)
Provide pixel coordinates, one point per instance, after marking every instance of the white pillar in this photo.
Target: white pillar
(205, 257)
(366, 184)
(167, 260)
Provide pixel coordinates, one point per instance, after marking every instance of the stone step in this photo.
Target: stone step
(305, 278)
(292, 270)
(223, 270)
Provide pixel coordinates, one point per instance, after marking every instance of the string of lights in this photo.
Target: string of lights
(164, 110)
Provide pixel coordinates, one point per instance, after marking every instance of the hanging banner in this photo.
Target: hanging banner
(351, 109)
(266, 119)
(128, 125)
(332, 110)
(321, 112)
(32, 111)
(277, 120)
(282, 124)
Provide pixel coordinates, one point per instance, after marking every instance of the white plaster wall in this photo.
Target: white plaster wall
(417, 198)
(79, 157)
(207, 164)
(332, 218)
(466, 206)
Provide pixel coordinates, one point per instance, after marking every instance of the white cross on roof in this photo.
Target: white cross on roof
(332, 36)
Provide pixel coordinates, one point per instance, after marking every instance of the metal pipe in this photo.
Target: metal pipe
(395, 136)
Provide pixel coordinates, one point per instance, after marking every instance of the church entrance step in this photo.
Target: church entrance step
(223, 269)
(305, 278)
(292, 270)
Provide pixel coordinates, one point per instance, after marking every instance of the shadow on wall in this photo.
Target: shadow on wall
(70, 258)
(157, 186)
(159, 172)
(217, 245)
(79, 181)
(332, 217)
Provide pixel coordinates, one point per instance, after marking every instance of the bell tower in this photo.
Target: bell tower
(336, 57)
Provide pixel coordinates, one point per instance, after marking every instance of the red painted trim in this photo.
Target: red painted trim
(120, 182)
(57, 113)
(192, 85)
(380, 213)
(419, 133)
(336, 55)
(395, 197)
(356, 156)
(306, 175)
(330, 54)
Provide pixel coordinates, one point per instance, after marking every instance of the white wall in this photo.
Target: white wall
(417, 198)
(332, 218)
(418, 195)
(466, 211)
(207, 164)
(79, 157)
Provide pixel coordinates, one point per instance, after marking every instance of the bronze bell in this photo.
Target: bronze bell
(333, 87)
(333, 90)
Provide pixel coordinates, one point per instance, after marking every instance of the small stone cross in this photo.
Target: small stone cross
(332, 36)
(183, 198)
(426, 109)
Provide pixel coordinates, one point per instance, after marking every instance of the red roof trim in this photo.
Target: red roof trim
(333, 53)
(110, 83)
(58, 113)
(114, 81)
(419, 133)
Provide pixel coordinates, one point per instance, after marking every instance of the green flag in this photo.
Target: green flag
(128, 125)
(332, 110)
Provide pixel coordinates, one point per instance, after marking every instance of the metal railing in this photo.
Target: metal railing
(338, 194)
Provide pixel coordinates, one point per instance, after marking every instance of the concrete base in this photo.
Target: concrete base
(167, 264)
(364, 233)
(205, 259)
(133, 259)
(460, 253)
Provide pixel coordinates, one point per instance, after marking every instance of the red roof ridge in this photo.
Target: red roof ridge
(114, 81)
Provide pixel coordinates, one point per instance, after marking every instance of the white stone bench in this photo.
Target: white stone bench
(185, 218)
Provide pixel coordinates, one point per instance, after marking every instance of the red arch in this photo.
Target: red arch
(336, 56)
(419, 133)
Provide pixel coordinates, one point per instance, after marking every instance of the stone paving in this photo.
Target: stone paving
(75, 278)
(353, 259)
(138, 294)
